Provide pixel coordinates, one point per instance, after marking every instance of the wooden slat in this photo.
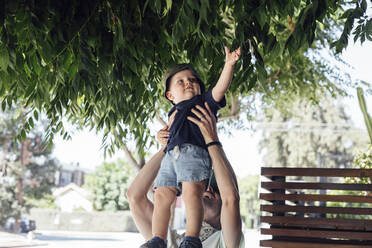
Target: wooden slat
(320, 210)
(316, 233)
(314, 197)
(289, 244)
(337, 186)
(309, 222)
(315, 172)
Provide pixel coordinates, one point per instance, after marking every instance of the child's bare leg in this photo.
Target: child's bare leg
(163, 199)
(192, 196)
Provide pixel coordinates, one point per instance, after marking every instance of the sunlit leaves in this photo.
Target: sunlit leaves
(100, 63)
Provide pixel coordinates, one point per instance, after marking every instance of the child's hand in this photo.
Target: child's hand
(162, 136)
(232, 57)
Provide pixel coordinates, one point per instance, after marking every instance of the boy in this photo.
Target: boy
(186, 165)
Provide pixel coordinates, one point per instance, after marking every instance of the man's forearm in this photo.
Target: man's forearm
(145, 177)
(141, 207)
(231, 223)
(225, 176)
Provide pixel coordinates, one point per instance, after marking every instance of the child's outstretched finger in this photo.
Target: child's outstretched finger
(227, 50)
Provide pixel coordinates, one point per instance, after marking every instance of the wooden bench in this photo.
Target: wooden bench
(298, 213)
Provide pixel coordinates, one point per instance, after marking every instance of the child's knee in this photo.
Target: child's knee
(192, 190)
(165, 195)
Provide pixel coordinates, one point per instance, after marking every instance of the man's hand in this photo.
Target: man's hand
(206, 123)
(232, 57)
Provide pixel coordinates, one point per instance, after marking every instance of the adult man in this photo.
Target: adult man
(221, 209)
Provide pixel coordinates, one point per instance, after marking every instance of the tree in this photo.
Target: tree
(249, 202)
(108, 185)
(100, 63)
(303, 134)
(8, 206)
(26, 164)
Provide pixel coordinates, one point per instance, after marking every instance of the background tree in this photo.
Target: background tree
(108, 185)
(100, 63)
(249, 201)
(26, 162)
(296, 137)
(8, 206)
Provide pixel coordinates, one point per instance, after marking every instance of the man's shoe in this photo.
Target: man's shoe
(155, 242)
(190, 242)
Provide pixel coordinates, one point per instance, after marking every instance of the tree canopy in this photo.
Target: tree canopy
(100, 63)
(108, 185)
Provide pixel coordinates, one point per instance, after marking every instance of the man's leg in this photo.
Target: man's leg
(192, 196)
(163, 199)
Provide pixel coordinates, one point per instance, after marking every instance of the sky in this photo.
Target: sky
(241, 147)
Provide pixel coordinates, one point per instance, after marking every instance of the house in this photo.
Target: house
(70, 173)
(72, 197)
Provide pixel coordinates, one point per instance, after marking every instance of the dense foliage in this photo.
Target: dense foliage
(100, 63)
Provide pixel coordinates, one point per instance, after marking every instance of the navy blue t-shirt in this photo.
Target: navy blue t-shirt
(184, 131)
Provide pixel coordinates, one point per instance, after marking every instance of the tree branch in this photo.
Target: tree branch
(132, 161)
(164, 123)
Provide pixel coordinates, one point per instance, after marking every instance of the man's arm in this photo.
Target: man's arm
(224, 80)
(140, 206)
(226, 180)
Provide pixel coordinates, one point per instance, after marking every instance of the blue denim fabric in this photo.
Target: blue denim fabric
(188, 163)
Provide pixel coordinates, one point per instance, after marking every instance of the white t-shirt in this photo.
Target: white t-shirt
(215, 240)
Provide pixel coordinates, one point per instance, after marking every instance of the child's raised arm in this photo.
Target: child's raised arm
(224, 81)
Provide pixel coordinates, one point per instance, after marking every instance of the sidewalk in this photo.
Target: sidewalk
(10, 240)
(71, 239)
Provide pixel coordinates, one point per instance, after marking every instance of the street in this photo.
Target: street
(67, 239)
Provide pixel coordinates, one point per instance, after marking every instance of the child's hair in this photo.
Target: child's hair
(177, 68)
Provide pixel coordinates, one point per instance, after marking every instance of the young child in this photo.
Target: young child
(186, 166)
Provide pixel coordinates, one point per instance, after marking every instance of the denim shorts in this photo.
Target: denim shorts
(184, 163)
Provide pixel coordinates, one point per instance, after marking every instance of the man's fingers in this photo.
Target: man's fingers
(213, 118)
(204, 114)
(196, 121)
(197, 113)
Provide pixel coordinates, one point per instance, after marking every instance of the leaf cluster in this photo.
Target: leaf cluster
(100, 63)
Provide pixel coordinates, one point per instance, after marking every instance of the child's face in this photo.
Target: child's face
(183, 86)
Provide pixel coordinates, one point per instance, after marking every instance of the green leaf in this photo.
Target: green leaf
(23, 134)
(31, 122)
(74, 68)
(168, 6)
(36, 115)
(35, 64)
(4, 58)
(3, 105)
